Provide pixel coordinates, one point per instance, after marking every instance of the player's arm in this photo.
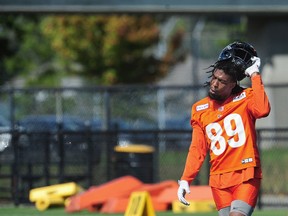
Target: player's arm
(194, 161)
(260, 105)
(196, 154)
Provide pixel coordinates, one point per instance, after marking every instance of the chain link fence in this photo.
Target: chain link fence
(49, 136)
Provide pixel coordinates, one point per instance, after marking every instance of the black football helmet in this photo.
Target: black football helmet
(240, 53)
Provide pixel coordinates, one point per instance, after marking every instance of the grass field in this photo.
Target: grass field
(31, 211)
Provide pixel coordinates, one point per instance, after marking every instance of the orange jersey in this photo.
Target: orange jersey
(227, 130)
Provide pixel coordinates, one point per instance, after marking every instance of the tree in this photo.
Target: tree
(100, 49)
(106, 49)
(26, 52)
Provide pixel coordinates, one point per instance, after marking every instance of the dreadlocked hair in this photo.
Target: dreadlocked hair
(230, 69)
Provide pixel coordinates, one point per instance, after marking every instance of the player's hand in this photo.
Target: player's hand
(254, 68)
(182, 190)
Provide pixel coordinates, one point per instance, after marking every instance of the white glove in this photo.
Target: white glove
(254, 67)
(182, 190)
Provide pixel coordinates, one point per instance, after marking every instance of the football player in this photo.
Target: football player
(224, 124)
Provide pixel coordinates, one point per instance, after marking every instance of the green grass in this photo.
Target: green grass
(32, 211)
(274, 163)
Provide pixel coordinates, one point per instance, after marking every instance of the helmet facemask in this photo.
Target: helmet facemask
(240, 54)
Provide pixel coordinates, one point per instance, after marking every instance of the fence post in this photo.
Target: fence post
(258, 135)
(61, 153)
(89, 173)
(15, 168)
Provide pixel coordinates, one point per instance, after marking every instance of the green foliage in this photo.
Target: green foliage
(101, 49)
(27, 52)
(106, 49)
(274, 162)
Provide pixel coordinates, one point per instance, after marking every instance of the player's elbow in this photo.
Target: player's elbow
(264, 112)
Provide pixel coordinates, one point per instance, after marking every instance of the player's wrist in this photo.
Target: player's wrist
(254, 74)
(254, 68)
